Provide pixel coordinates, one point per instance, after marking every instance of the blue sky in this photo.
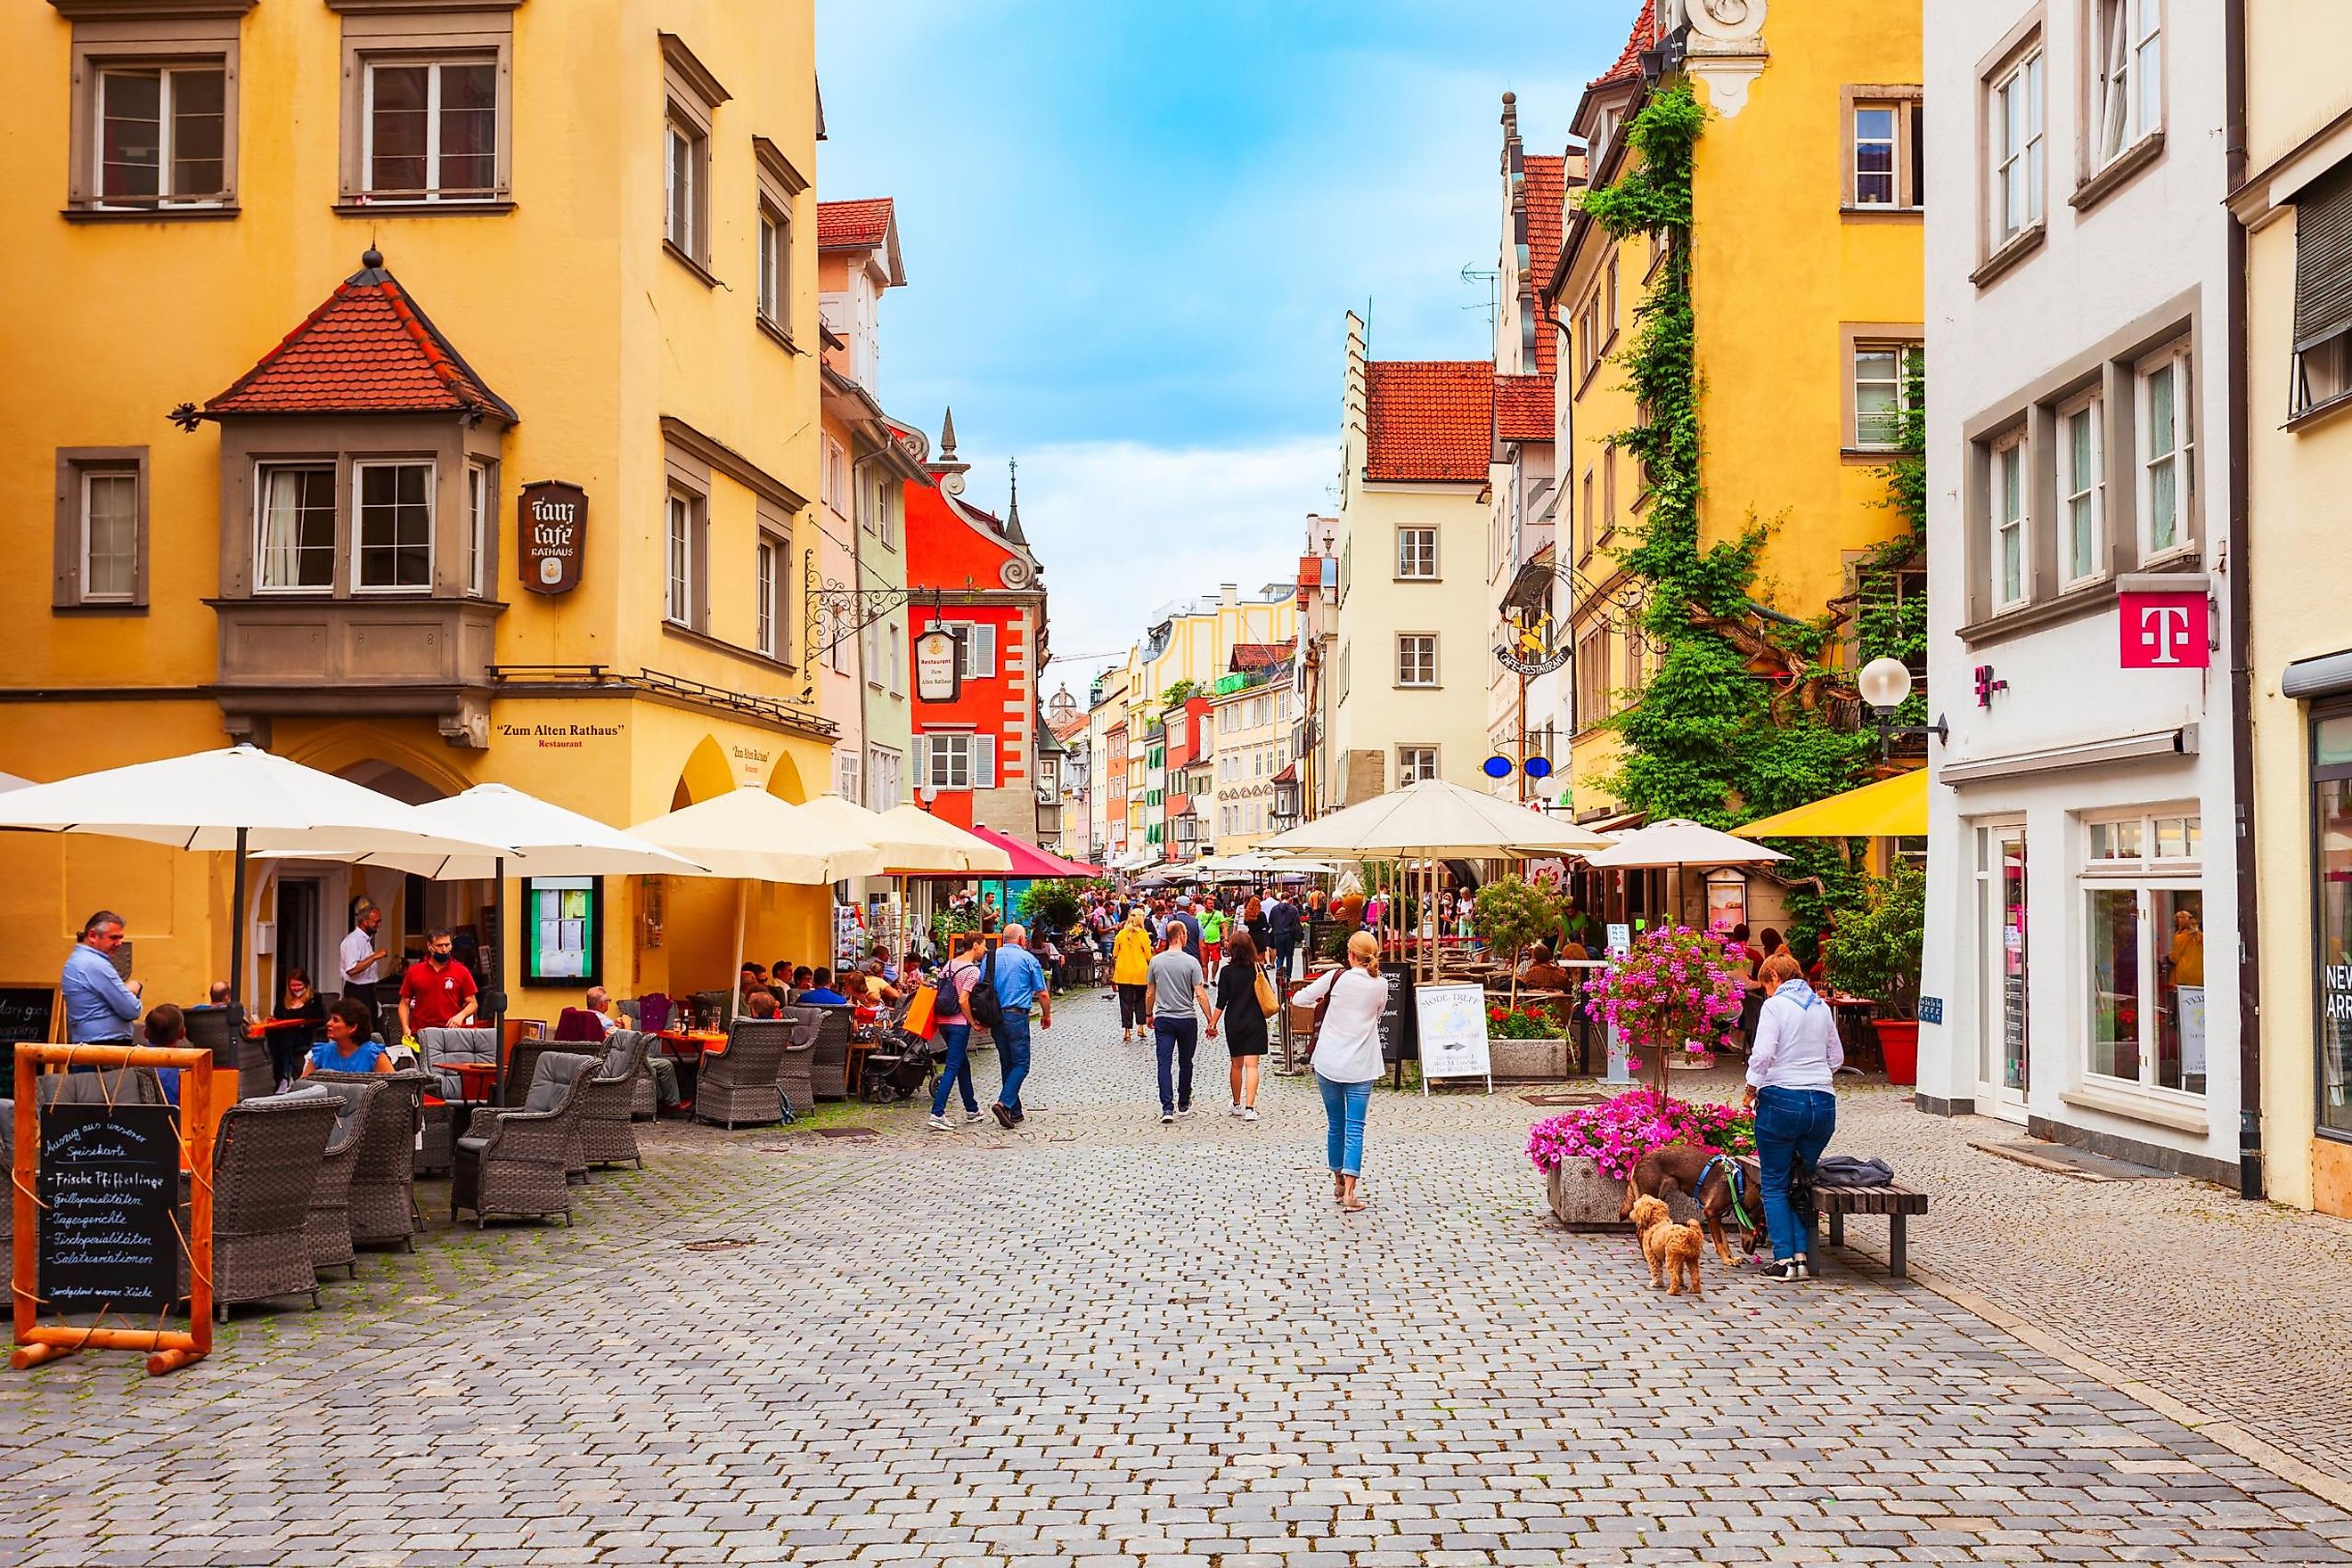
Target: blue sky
(1131, 230)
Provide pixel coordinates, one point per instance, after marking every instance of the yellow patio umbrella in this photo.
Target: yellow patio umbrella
(1891, 808)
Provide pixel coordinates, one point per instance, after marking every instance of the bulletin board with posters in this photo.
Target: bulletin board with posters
(564, 930)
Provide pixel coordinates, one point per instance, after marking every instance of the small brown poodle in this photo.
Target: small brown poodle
(1667, 1245)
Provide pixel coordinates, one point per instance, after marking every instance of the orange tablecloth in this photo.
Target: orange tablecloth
(698, 1043)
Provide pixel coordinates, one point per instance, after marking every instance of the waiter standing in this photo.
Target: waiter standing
(362, 959)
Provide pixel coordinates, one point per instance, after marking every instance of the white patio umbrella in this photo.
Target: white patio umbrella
(1434, 820)
(912, 842)
(240, 799)
(752, 836)
(969, 851)
(1677, 844)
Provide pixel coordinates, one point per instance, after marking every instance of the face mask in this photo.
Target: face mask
(439, 959)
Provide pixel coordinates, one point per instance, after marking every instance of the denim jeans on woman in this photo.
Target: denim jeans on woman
(1793, 1128)
(957, 1072)
(1344, 1105)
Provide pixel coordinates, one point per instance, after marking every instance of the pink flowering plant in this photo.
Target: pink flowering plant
(1673, 991)
(1616, 1133)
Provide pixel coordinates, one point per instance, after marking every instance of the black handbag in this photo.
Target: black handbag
(985, 1009)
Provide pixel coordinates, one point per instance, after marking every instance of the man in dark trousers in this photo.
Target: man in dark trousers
(1282, 929)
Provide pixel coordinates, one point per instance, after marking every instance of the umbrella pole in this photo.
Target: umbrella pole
(237, 923)
(499, 1014)
(742, 898)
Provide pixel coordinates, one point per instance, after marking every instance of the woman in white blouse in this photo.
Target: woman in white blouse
(1348, 1057)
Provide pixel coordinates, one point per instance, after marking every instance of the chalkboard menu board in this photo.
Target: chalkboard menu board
(109, 1179)
(26, 1012)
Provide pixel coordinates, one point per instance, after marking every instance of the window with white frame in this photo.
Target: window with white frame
(881, 778)
(429, 127)
(837, 477)
(976, 641)
(2166, 410)
(1416, 659)
(108, 543)
(894, 659)
(162, 135)
(886, 516)
(394, 541)
(1883, 143)
(1415, 763)
(846, 782)
(295, 531)
(481, 520)
(2082, 492)
(775, 249)
(959, 760)
(684, 158)
(1416, 552)
(766, 573)
(2127, 83)
(2011, 568)
(2017, 157)
(1885, 378)
(2144, 917)
(682, 598)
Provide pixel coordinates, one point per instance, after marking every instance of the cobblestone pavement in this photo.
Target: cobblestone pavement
(1100, 1341)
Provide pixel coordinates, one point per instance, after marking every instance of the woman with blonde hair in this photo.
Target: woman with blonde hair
(1131, 972)
(1348, 1058)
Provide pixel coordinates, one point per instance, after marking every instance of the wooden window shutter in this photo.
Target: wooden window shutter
(983, 760)
(921, 747)
(2323, 260)
(983, 649)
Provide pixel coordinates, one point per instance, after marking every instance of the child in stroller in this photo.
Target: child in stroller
(900, 1062)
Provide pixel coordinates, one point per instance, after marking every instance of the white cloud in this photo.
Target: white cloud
(1122, 528)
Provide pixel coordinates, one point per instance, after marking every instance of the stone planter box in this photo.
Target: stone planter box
(1528, 1062)
(1583, 1199)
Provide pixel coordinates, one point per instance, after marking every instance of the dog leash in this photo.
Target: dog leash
(1739, 1213)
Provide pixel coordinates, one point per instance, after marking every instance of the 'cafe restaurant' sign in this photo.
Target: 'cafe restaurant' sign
(552, 529)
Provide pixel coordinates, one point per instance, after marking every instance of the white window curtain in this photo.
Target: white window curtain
(281, 530)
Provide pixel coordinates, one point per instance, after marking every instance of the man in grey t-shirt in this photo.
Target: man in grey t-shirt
(1177, 992)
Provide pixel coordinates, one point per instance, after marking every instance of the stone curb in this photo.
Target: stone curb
(2322, 1484)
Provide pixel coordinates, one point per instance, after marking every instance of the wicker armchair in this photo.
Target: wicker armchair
(220, 1031)
(794, 1080)
(383, 1183)
(515, 1161)
(444, 1046)
(107, 1086)
(330, 1223)
(738, 1084)
(523, 1062)
(829, 1066)
(606, 1134)
(264, 1166)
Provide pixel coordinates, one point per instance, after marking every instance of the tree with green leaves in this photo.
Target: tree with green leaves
(1510, 915)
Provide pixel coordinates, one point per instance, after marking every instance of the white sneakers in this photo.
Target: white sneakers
(973, 1117)
(940, 1124)
(1249, 1114)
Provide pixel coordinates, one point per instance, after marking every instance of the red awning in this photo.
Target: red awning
(1028, 860)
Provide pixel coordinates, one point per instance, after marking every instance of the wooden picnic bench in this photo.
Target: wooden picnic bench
(1896, 1201)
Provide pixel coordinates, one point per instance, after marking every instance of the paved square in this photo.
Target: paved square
(1103, 1340)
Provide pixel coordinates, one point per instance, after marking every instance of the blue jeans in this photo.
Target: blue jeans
(1793, 1128)
(1012, 1033)
(1344, 1105)
(957, 1073)
(1176, 1039)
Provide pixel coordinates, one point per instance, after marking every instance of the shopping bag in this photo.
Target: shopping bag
(918, 1020)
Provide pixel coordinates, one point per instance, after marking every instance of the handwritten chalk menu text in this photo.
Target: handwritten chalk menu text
(109, 1179)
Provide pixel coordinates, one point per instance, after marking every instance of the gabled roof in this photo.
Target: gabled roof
(1429, 420)
(870, 223)
(1523, 407)
(1629, 63)
(368, 348)
(1251, 656)
(1546, 190)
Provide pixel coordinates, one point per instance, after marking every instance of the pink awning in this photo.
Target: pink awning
(1028, 860)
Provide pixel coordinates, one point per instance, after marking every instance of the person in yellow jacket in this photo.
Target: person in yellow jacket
(1130, 971)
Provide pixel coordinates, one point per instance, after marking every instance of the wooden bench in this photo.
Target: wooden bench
(1896, 1202)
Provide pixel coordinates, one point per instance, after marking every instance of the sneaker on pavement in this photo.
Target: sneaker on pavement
(1167, 1119)
(1785, 1268)
(1184, 1111)
(1249, 1114)
(940, 1124)
(971, 1116)
(1236, 1110)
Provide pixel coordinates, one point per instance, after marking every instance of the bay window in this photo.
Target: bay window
(395, 536)
(295, 548)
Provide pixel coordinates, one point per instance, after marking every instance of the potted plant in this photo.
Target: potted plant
(1874, 952)
(1510, 915)
(1527, 1043)
(1587, 1153)
(1673, 992)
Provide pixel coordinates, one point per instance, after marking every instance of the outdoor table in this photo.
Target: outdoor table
(479, 1080)
(1850, 1012)
(692, 1045)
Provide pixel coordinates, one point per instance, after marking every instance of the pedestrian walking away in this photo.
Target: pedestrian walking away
(1179, 998)
(952, 1016)
(1019, 984)
(1347, 1059)
(1131, 972)
(1789, 1077)
(1282, 929)
(1212, 940)
(1240, 1011)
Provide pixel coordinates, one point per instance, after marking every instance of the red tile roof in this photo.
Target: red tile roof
(862, 225)
(1429, 420)
(1628, 64)
(1250, 655)
(367, 349)
(1522, 407)
(1547, 192)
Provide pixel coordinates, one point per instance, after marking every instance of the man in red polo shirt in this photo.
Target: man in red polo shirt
(437, 992)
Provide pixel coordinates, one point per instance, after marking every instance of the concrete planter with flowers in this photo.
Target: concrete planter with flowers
(1586, 1154)
(1526, 1045)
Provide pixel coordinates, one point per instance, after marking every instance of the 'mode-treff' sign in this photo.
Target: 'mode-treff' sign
(2165, 631)
(552, 532)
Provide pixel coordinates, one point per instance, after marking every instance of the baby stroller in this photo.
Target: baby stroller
(900, 1063)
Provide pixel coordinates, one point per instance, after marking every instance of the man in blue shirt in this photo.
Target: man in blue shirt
(100, 1006)
(1020, 982)
(823, 995)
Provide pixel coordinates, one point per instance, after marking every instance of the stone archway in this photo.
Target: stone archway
(705, 777)
(784, 781)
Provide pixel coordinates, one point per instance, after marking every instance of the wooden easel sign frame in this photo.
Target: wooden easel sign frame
(167, 1349)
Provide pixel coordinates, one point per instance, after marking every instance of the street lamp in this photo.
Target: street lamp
(1885, 685)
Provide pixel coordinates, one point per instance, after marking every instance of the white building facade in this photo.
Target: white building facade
(2083, 883)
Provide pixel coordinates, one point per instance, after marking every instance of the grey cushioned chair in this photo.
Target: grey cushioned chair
(606, 1137)
(444, 1046)
(794, 1079)
(329, 1225)
(515, 1161)
(738, 1084)
(266, 1163)
(383, 1183)
(829, 1066)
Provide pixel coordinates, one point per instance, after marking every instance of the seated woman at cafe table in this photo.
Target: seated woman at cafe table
(878, 991)
(347, 1048)
(1543, 971)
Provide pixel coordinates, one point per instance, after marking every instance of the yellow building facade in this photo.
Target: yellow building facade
(522, 493)
(1807, 284)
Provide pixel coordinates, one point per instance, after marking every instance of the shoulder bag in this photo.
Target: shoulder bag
(985, 1009)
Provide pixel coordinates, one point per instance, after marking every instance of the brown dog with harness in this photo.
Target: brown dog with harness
(1716, 1183)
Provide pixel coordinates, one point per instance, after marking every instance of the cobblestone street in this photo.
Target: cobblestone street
(1100, 1339)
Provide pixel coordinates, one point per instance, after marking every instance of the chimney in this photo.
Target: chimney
(1229, 592)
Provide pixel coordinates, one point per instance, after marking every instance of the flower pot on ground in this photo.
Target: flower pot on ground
(1874, 952)
(1898, 1043)
(1587, 1153)
(1526, 1045)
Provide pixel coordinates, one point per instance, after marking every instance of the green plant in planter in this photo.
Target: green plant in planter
(1523, 1024)
(1508, 915)
(949, 923)
(1051, 906)
(1874, 952)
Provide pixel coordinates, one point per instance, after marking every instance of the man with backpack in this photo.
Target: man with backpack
(1011, 981)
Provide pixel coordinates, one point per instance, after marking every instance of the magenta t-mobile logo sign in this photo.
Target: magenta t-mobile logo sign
(2165, 631)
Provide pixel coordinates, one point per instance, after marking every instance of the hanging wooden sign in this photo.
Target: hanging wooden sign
(551, 535)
